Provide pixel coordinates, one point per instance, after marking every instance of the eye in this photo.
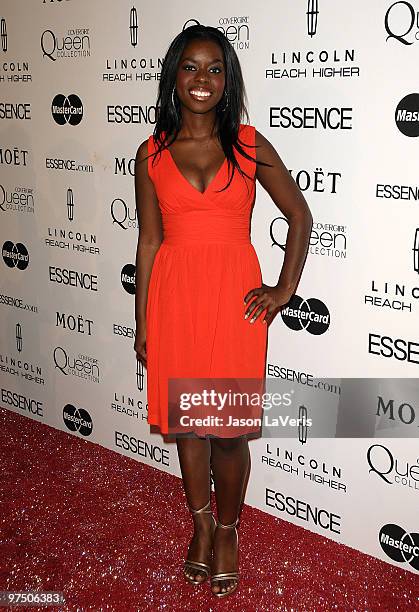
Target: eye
(217, 68)
(187, 66)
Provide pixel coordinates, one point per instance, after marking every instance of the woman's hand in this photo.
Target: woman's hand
(266, 298)
(140, 345)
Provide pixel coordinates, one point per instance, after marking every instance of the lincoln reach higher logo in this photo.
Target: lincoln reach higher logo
(3, 31)
(133, 26)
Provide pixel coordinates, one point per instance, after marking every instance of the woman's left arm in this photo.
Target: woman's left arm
(283, 190)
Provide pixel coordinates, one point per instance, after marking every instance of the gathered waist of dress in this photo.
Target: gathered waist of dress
(207, 226)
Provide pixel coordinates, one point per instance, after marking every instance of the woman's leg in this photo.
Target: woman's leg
(246, 478)
(230, 462)
(194, 459)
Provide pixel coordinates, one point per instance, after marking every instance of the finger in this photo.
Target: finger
(271, 315)
(248, 296)
(251, 293)
(267, 318)
(257, 302)
(257, 313)
(142, 359)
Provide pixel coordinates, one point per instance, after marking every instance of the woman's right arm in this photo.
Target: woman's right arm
(149, 239)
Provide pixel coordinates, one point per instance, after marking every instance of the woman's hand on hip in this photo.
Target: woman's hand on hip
(266, 298)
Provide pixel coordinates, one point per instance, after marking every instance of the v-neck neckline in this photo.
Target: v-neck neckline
(211, 183)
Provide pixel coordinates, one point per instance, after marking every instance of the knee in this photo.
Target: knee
(227, 445)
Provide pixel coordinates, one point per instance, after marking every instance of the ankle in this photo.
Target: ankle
(228, 526)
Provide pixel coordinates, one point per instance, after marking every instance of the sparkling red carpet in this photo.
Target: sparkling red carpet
(111, 533)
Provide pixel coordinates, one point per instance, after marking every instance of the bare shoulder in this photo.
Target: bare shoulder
(265, 151)
(144, 186)
(142, 151)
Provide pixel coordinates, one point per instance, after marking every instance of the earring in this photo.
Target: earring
(173, 102)
(226, 102)
(173, 98)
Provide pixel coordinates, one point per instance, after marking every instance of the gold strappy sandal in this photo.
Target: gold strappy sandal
(226, 575)
(198, 565)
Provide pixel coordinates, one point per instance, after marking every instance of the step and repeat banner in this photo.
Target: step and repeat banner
(334, 88)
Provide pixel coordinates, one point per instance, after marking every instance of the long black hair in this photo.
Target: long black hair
(230, 110)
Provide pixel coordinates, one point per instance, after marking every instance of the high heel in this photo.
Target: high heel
(198, 565)
(226, 575)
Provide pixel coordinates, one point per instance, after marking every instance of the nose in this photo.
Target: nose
(202, 76)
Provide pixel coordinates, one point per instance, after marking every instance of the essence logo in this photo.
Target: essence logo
(3, 34)
(399, 22)
(407, 115)
(312, 13)
(67, 109)
(15, 110)
(128, 278)
(399, 545)
(311, 315)
(133, 26)
(332, 118)
(15, 255)
(77, 419)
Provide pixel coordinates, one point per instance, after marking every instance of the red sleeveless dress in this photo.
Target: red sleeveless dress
(205, 265)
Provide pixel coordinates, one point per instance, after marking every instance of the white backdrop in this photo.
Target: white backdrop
(67, 204)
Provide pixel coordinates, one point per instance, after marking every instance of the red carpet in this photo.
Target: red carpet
(111, 533)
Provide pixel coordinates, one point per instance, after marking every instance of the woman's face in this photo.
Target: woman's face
(200, 77)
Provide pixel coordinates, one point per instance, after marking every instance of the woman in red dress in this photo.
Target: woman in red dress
(202, 310)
